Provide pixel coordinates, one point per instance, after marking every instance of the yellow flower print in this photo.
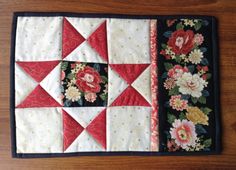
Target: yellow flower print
(195, 115)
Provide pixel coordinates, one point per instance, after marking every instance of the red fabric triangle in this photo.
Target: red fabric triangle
(38, 70)
(71, 38)
(71, 129)
(129, 72)
(98, 41)
(130, 97)
(97, 128)
(39, 98)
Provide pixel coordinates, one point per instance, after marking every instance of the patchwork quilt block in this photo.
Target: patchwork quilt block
(113, 84)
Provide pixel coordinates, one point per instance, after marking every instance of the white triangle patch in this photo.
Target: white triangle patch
(84, 115)
(52, 82)
(24, 84)
(85, 26)
(84, 143)
(116, 85)
(143, 84)
(84, 53)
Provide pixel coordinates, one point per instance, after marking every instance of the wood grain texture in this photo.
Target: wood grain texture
(224, 10)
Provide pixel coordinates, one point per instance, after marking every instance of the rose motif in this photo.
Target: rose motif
(177, 71)
(183, 132)
(181, 42)
(90, 97)
(88, 80)
(191, 84)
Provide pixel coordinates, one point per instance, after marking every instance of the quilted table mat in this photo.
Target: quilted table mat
(100, 84)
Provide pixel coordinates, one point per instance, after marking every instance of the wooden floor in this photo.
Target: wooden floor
(224, 10)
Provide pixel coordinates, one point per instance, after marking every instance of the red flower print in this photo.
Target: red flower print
(181, 42)
(199, 67)
(72, 66)
(88, 80)
(204, 76)
(204, 68)
(162, 52)
(171, 22)
(63, 75)
(172, 147)
(177, 71)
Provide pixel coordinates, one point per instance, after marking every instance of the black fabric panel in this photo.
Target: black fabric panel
(210, 39)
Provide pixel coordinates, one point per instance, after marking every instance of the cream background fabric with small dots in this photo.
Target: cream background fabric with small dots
(83, 115)
(84, 53)
(38, 38)
(128, 128)
(39, 130)
(24, 84)
(116, 85)
(52, 83)
(128, 41)
(85, 26)
(84, 143)
(143, 84)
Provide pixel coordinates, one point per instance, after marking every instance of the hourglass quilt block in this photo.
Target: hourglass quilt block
(113, 84)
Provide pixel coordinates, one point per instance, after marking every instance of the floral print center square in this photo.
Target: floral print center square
(84, 84)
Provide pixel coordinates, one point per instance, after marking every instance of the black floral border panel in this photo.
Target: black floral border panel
(186, 74)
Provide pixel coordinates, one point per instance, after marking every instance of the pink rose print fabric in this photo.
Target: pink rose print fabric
(84, 84)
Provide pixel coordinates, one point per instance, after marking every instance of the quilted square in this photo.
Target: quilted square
(84, 129)
(84, 40)
(88, 84)
(128, 128)
(129, 85)
(84, 84)
(128, 41)
(38, 38)
(39, 130)
(37, 84)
